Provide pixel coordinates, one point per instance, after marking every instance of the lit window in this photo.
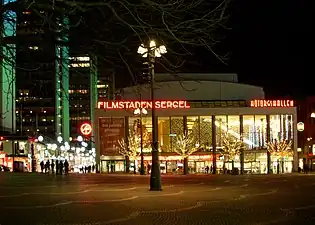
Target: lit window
(80, 58)
(80, 64)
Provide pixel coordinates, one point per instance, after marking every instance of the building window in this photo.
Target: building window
(261, 131)
(221, 129)
(275, 128)
(205, 132)
(193, 128)
(249, 131)
(234, 126)
(281, 127)
(255, 131)
(177, 128)
(164, 130)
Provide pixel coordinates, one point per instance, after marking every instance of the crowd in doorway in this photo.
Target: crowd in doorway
(57, 167)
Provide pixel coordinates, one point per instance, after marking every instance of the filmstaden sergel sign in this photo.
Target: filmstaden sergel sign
(143, 104)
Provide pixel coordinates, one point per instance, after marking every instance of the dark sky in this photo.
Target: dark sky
(273, 45)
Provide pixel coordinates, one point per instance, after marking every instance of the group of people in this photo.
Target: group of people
(62, 167)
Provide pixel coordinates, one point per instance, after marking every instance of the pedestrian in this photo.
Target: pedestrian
(207, 169)
(52, 167)
(66, 167)
(42, 166)
(61, 167)
(57, 167)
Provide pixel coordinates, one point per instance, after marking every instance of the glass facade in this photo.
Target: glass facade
(255, 131)
(251, 130)
(281, 127)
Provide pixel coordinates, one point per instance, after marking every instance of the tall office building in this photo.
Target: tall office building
(7, 63)
(48, 87)
(34, 70)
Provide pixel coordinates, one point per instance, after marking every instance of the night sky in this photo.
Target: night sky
(273, 45)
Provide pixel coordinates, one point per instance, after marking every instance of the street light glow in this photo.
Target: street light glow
(313, 115)
(79, 138)
(144, 111)
(157, 51)
(59, 139)
(40, 138)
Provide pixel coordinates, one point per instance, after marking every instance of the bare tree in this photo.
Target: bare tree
(231, 147)
(184, 145)
(129, 147)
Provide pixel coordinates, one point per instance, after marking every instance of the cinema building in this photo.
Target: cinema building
(209, 109)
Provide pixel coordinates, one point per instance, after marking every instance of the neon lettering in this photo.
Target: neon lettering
(271, 103)
(143, 104)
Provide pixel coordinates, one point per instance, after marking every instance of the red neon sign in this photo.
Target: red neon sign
(271, 103)
(86, 129)
(143, 104)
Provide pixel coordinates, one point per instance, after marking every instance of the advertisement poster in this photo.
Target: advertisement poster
(110, 131)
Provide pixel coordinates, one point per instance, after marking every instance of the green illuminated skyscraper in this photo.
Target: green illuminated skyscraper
(8, 67)
(48, 86)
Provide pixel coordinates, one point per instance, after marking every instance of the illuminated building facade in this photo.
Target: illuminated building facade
(208, 118)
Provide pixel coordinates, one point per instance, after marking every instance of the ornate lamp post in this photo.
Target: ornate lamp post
(150, 52)
(140, 112)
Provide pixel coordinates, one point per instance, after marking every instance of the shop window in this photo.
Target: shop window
(221, 129)
(193, 128)
(164, 134)
(205, 132)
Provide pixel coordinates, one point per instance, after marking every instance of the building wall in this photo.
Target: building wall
(196, 90)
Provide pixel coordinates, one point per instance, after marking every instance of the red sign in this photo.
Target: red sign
(143, 104)
(86, 129)
(271, 103)
(111, 130)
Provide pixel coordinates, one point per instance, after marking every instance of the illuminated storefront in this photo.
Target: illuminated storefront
(257, 123)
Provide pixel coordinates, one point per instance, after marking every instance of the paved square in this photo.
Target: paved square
(125, 199)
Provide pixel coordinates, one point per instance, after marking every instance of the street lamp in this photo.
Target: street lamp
(150, 52)
(313, 115)
(79, 138)
(140, 112)
(40, 138)
(59, 139)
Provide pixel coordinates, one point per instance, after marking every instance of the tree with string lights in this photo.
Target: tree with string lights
(231, 147)
(129, 147)
(184, 145)
(279, 149)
